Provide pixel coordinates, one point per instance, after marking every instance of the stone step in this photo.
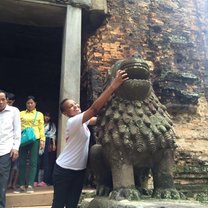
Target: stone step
(41, 198)
(34, 207)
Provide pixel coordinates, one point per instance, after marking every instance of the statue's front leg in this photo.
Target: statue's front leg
(123, 182)
(101, 170)
(163, 177)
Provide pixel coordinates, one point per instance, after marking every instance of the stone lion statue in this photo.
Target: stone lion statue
(134, 132)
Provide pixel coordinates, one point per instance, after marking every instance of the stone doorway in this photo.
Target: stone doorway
(31, 36)
(30, 62)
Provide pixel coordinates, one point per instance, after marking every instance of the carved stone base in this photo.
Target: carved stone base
(104, 202)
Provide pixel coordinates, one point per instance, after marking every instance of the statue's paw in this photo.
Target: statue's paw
(167, 194)
(125, 193)
(103, 190)
(145, 191)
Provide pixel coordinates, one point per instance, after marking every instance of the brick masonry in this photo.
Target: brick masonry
(172, 36)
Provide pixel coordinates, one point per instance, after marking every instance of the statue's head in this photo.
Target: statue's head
(138, 86)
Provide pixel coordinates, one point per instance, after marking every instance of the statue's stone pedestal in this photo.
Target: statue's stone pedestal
(104, 202)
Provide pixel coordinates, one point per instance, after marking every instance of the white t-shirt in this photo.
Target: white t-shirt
(75, 153)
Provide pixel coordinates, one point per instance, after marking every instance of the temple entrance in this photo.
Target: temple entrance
(31, 64)
(38, 57)
(31, 35)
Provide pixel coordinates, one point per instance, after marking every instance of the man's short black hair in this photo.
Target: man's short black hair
(62, 104)
(10, 96)
(2, 91)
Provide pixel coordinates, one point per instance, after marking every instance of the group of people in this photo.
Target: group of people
(70, 166)
(14, 159)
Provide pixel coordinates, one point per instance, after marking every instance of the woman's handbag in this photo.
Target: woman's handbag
(28, 135)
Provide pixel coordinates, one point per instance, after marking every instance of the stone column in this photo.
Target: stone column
(71, 63)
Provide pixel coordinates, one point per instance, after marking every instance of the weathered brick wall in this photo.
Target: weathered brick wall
(172, 36)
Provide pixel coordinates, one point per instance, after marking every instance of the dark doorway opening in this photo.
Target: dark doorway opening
(30, 64)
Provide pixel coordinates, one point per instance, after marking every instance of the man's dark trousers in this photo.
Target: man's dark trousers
(5, 165)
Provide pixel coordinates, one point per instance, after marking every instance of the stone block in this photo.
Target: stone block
(41, 197)
(81, 3)
(99, 5)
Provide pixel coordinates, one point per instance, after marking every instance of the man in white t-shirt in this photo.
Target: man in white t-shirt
(70, 166)
(10, 134)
